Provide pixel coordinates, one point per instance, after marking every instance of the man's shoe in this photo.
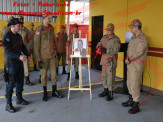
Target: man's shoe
(9, 107)
(129, 102)
(135, 108)
(27, 81)
(55, 93)
(104, 93)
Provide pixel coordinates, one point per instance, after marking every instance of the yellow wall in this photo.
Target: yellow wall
(150, 13)
(60, 21)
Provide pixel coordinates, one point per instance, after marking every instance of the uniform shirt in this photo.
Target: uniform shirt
(70, 42)
(138, 48)
(61, 40)
(44, 42)
(13, 45)
(31, 39)
(5, 30)
(112, 46)
(24, 32)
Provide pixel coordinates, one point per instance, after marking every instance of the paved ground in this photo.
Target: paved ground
(79, 108)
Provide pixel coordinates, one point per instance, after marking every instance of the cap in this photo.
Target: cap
(31, 24)
(110, 26)
(20, 17)
(135, 22)
(45, 15)
(63, 27)
(14, 21)
(10, 18)
(75, 25)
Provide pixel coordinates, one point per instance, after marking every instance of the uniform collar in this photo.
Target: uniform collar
(139, 35)
(111, 36)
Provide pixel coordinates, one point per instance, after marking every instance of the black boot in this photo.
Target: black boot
(45, 95)
(129, 102)
(64, 71)
(21, 101)
(55, 93)
(109, 96)
(57, 71)
(27, 81)
(68, 77)
(35, 68)
(9, 107)
(77, 75)
(104, 93)
(39, 79)
(135, 108)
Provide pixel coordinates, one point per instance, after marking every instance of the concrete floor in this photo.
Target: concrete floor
(79, 108)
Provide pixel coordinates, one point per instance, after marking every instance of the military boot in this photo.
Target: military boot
(9, 107)
(109, 96)
(64, 71)
(21, 101)
(55, 93)
(77, 75)
(104, 93)
(68, 77)
(135, 108)
(129, 102)
(35, 68)
(45, 94)
(27, 81)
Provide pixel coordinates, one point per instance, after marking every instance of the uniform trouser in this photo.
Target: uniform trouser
(31, 52)
(48, 63)
(108, 76)
(76, 65)
(16, 79)
(133, 80)
(59, 55)
(26, 67)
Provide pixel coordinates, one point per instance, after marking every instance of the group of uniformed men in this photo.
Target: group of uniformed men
(47, 48)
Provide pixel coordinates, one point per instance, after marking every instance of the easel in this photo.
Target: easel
(80, 72)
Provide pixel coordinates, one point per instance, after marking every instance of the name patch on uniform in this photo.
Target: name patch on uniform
(142, 39)
(57, 35)
(37, 33)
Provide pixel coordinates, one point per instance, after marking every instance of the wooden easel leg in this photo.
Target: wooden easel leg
(80, 74)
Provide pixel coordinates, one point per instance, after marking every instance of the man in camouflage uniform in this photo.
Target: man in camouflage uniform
(136, 55)
(61, 39)
(24, 32)
(31, 46)
(76, 60)
(45, 50)
(111, 46)
(6, 28)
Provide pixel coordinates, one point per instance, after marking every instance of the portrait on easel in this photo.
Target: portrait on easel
(80, 47)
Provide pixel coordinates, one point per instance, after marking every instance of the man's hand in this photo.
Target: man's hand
(29, 59)
(22, 57)
(127, 61)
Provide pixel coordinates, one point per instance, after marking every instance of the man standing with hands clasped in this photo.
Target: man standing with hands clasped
(136, 55)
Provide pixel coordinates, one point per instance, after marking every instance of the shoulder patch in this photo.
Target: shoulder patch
(142, 39)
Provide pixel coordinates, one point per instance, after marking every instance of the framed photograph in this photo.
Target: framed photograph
(80, 47)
